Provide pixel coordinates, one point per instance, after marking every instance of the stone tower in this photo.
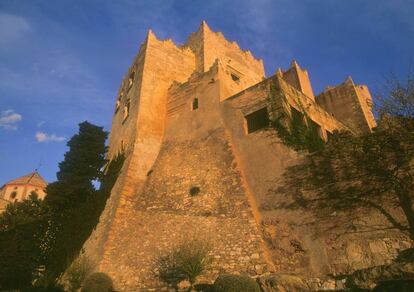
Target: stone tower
(191, 121)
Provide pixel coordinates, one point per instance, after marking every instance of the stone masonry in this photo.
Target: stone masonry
(200, 162)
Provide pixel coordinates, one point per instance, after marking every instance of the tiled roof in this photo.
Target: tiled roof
(33, 178)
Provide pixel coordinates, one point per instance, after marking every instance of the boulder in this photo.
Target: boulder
(370, 277)
(282, 283)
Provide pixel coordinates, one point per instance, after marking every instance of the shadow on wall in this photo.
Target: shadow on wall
(313, 221)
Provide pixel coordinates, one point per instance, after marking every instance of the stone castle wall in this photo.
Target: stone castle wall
(164, 213)
(349, 104)
(299, 79)
(209, 46)
(172, 147)
(297, 241)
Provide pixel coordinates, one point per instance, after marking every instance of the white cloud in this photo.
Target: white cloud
(40, 124)
(12, 28)
(9, 119)
(45, 138)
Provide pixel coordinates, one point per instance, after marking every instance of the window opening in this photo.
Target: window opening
(194, 191)
(257, 120)
(194, 104)
(131, 80)
(235, 77)
(126, 110)
(118, 103)
(13, 195)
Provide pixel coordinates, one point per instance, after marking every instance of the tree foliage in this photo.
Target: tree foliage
(295, 130)
(52, 232)
(235, 283)
(373, 170)
(20, 213)
(186, 261)
(82, 166)
(396, 97)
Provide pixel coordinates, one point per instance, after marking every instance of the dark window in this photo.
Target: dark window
(13, 195)
(235, 77)
(194, 105)
(194, 191)
(257, 120)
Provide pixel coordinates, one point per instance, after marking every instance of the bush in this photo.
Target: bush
(234, 283)
(76, 274)
(50, 288)
(185, 262)
(98, 282)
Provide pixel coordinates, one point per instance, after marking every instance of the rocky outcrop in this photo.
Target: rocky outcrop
(371, 277)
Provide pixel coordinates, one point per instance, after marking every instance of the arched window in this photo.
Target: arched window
(13, 195)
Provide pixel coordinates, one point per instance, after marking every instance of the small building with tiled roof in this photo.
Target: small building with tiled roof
(20, 188)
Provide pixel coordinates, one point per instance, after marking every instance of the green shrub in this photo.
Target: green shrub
(235, 283)
(98, 282)
(78, 271)
(185, 262)
(50, 288)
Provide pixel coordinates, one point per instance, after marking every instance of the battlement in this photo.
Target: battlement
(298, 78)
(349, 103)
(209, 46)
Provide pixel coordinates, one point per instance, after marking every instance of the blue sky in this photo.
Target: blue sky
(61, 62)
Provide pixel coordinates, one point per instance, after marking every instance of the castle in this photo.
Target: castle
(192, 122)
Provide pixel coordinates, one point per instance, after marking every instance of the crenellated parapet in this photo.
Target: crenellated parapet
(349, 103)
(209, 46)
